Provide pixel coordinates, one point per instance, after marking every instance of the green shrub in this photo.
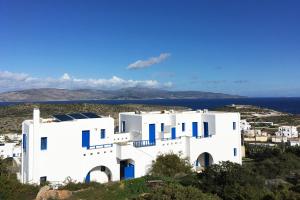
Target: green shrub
(176, 192)
(170, 165)
(12, 189)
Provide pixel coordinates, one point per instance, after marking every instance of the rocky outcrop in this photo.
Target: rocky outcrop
(46, 193)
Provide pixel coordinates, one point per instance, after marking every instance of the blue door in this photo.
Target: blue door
(86, 139)
(129, 171)
(206, 133)
(206, 159)
(173, 133)
(152, 133)
(195, 129)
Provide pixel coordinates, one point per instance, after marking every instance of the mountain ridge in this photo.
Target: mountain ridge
(136, 93)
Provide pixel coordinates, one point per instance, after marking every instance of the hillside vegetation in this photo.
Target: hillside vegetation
(270, 173)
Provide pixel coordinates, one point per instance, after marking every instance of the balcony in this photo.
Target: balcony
(166, 139)
(143, 143)
(201, 136)
(100, 146)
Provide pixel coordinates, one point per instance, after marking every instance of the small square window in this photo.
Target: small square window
(44, 143)
(102, 133)
(183, 127)
(234, 125)
(162, 127)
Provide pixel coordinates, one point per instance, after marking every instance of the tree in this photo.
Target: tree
(170, 165)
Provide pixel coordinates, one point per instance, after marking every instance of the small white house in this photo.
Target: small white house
(8, 150)
(84, 146)
(287, 131)
(245, 125)
(279, 139)
(294, 142)
(14, 137)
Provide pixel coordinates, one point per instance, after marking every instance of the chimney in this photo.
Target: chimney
(36, 116)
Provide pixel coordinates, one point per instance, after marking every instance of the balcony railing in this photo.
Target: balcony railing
(143, 143)
(202, 136)
(100, 146)
(166, 139)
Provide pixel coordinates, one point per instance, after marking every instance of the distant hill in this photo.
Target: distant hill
(49, 94)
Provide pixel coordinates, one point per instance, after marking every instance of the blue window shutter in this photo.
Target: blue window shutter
(195, 129)
(102, 133)
(234, 125)
(173, 134)
(162, 127)
(86, 139)
(206, 130)
(123, 128)
(183, 127)
(234, 151)
(24, 142)
(44, 143)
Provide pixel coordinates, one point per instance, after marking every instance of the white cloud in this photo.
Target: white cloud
(66, 77)
(139, 64)
(18, 81)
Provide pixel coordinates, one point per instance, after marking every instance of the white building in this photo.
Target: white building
(287, 131)
(255, 133)
(245, 125)
(87, 149)
(14, 137)
(8, 150)
(294, 142)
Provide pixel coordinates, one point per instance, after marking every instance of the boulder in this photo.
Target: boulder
(46, 193)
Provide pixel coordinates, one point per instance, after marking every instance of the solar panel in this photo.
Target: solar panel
(63, 117)
(77, 116)
(90, 115)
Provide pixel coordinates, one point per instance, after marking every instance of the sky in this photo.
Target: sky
(249, 47)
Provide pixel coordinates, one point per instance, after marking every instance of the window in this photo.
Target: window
(24, 142)
(44, 143)
(162, 127)
(43, 180)
(183, 127)
(123, 127)
(102, 133)
(234, 125)
(234, 151)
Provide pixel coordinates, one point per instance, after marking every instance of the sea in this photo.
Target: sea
(289, 105)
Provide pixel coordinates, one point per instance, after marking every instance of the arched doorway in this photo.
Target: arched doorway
(204, 160)
(100, 174)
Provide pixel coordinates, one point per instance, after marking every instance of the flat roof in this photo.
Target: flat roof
(141, 113)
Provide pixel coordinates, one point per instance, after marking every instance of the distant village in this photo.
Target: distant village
(252, 135)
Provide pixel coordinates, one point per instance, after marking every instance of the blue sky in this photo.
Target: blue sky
(239, 47)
